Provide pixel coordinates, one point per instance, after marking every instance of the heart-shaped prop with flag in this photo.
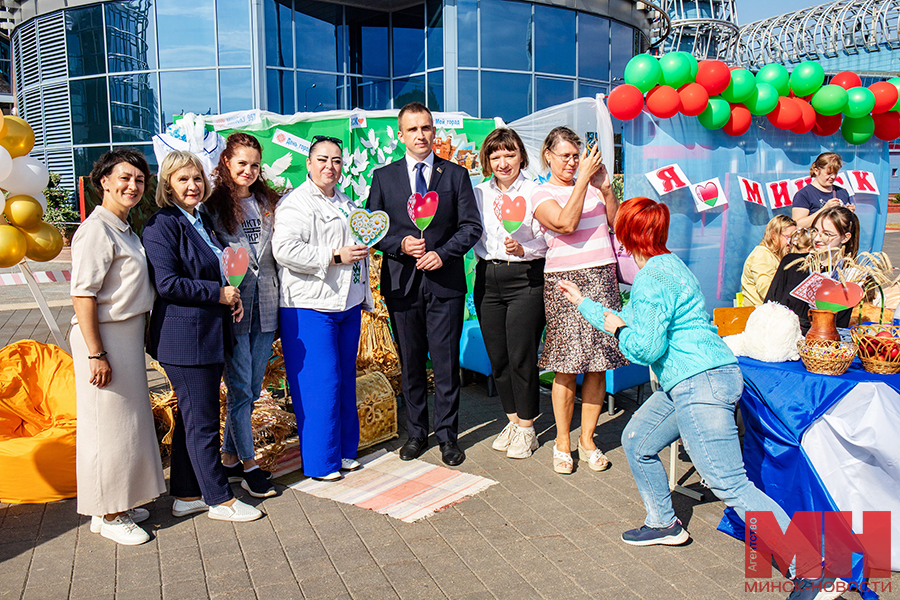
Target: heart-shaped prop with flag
(510, 212)
(421, 209)
(369, 227)
(836, 296)
(235, 265)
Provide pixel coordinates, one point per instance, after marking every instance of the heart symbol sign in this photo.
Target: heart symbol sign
(421, 209)
(235, 265)
(708, 192)
(369, 227)
(836, 296)
(510, 212)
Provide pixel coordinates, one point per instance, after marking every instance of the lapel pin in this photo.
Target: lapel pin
(440, 170)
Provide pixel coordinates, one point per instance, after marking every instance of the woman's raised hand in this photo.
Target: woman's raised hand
(570, 291)
(229, 295)
(352, 254)
(590, 164)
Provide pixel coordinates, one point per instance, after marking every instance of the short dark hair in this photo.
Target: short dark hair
(502, 138)
(414, 107)
(106, 163)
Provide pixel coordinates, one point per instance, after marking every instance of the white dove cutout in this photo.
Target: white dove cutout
(273, 173)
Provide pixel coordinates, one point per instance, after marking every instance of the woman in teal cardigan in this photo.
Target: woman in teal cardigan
(665, 325)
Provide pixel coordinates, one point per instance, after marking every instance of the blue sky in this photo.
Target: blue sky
(754, 10)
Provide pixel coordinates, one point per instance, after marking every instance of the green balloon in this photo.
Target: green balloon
(695, 66)
(858, 131)
(643, 72)
(860, 102)
(830, 100)
(676, 70)
(896, 83)
(741, 86)
(776, 76)
(716, 114)
(763, 100)
(807, 77)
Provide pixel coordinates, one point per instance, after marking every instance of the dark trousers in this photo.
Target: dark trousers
(425, 323)
(196, 468)
(509, 300)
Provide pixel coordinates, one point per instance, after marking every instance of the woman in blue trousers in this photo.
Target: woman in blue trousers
(324, 277)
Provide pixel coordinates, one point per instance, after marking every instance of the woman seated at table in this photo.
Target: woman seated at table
(666, 325)
(821, 193)
(759, 268)
(835, 231)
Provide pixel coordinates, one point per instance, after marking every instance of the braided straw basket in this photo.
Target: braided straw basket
(879, 355)
(826, 357)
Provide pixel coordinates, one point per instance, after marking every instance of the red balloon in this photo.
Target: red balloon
(739, 122)
(887, 126)
(694, 99)
(827, 125)
(663, 101)
(714, 75)
(807, 117)
(626, 102)
(886, 95)
(847, 80)
(787, 113)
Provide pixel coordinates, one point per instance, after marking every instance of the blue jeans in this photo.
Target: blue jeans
(699, 410)
(244, 371)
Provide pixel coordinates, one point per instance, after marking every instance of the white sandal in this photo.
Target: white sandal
(595, 458)
(562, 462)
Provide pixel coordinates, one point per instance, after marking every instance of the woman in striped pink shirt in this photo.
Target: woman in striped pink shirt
(576, 212)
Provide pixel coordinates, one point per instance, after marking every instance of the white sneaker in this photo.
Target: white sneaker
(238, 512)
(523, 444)
(137, 515)
(501, 443)
(122, 530)
(349, 464)
(183, 508)
(330, 477)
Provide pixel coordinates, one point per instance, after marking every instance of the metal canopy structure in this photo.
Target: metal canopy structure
(705, 28)
(829, 31)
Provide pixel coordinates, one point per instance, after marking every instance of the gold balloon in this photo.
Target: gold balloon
(19, 137)
(12, 246)
(44, 243)
(24, 211)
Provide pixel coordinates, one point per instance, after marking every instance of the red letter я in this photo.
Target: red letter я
(803, 536)
(874, 544)
(753, 192)
(863, 185)
(780, 193)
(670, 179)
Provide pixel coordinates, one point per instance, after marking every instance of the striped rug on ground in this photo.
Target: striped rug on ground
(405, 490)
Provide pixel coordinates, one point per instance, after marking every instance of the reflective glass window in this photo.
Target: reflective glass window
(188, 91)
(84, 41)
(370, 94)
(279, 33)
(554, 40)
(280, 91)
(85, 157)
(467, 91)
(130, 36)
(593, 47)
(320, 36)
(621, 42)
(235, 89)
(90, 116)
(186, 32)
(409, 90)
(589, 90)
(505, 95)
(506, 35)
(317, 91)
(408, 27)
(467, 32)
(233, 29)
(551, 91)
(147, 151)
(134, 107)
(435, 97)
(367, 34)
(434, 11)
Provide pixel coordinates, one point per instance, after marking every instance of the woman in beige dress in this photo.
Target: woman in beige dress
(117, 457)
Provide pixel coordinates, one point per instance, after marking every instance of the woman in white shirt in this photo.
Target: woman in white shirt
(324, 275)
(509, 286)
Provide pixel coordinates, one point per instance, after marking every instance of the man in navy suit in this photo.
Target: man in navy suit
(423, 279)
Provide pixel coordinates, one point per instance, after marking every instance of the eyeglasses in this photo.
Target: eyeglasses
(823, 234)
(324, 138)
(565, 158)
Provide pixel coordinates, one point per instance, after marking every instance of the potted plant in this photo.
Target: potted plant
(60, 212)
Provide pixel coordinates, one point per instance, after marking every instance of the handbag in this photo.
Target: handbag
(626, 267)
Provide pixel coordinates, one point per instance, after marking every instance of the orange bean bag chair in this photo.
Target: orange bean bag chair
(37, 423)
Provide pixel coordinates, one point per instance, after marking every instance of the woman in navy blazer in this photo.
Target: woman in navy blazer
(190, 332)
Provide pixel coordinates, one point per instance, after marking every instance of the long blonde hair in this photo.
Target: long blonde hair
(774, 230)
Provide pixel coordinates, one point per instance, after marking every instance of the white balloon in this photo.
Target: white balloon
(5, 163)
(28, 176)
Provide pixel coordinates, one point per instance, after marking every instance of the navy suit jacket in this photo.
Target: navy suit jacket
(455, 228)
(188, 326)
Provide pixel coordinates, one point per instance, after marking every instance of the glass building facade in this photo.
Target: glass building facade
(106, 74)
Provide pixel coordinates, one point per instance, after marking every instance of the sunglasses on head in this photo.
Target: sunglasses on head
(324, 138)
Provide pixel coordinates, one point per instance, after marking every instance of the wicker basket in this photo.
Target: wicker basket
(377, 408)
(826, 357)
(878, 354)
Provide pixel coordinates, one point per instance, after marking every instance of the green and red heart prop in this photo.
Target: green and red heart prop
(421, 209)
(836, 296)
(234, 265)
(708, 193)
(510, 212)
